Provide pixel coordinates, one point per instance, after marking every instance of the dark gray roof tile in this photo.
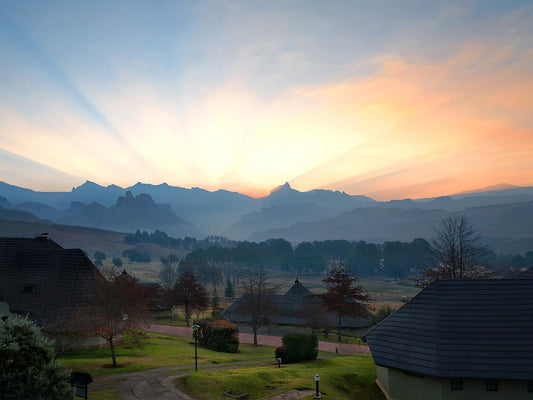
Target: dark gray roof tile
(461, 329)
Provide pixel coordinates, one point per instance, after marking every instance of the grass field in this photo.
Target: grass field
(341, 378)
(157, 351)
(107, 394)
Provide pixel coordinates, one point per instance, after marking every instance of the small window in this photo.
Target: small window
(530, 387)
(29, 289)
(491, 385)
(456, 384)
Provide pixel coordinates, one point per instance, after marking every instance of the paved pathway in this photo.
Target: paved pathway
(157, 383)
(341, 348)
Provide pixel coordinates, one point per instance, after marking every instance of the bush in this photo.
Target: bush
(27, 367)
(219, 336)
(300, 347)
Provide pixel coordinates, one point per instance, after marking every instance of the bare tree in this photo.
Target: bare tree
(117, 305)
(456, 253)
(256, 301)
(342, 297)
(168, 272)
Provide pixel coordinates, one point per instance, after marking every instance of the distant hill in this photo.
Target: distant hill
(506, 228)
(285, 212)
(88, 239)
(374, 225)
(285, 206)
(17, 215)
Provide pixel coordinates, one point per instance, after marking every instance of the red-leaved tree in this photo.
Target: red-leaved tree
(189, 293)
(343, 297)
(118, 305)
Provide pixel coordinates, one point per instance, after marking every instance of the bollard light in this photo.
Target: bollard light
(279, 362)
(317, 381)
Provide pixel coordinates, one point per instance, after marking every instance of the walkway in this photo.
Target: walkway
(341, 348)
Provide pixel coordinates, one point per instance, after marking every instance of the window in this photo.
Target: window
(491, 385)
(456, 384)
(29, 289)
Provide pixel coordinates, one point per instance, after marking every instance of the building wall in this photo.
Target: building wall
(400, 386)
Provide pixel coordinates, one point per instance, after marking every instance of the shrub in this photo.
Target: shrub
(300, 347)
(219, 336)
(27, 367)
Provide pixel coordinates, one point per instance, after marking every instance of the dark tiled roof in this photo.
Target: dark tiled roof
(461, 329)
(40, 278)
(290, 309)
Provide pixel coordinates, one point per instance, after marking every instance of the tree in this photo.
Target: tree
(27, 367)
(117, 262)
(98, 258)
(189, 293)
(215, 301)
(229, 291)
(118, 305)
(168, 275)
(342, 297)
(382, 313)
(315, 316)
(256, 301)
(456, 253)
(172, 260)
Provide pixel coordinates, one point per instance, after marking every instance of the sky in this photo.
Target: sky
(390, 99)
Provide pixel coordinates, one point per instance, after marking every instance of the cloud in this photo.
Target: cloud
(235, 95)
(466, 120)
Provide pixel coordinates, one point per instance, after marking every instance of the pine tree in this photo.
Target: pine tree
(229, 292)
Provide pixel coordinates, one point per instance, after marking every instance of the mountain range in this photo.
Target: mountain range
(501, 213)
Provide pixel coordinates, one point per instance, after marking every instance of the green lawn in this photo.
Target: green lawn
(341, 378)
(108, 394)
(158, 351)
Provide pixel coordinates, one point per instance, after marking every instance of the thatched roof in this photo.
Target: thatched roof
(291, 308)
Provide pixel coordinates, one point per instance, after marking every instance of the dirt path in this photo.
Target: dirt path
(340, 348)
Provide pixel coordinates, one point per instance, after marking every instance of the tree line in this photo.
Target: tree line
(392, 258)
(364, 259)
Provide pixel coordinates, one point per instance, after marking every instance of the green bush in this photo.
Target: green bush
(27, 366)
(300, 347)
(219, 336)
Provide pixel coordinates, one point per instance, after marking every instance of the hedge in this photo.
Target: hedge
(219, 336)
(298, 347)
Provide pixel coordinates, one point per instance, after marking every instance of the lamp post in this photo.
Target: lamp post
(195, 334)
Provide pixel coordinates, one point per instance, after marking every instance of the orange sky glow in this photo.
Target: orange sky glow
(388, 122)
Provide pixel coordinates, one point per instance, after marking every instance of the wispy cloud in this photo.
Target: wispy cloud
(427, 98)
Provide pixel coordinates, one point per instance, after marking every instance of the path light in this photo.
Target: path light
(195, 335)
(317, 380)
(279, 362)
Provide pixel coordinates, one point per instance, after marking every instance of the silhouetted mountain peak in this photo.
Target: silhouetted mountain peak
(87, 186)
(285, 188)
